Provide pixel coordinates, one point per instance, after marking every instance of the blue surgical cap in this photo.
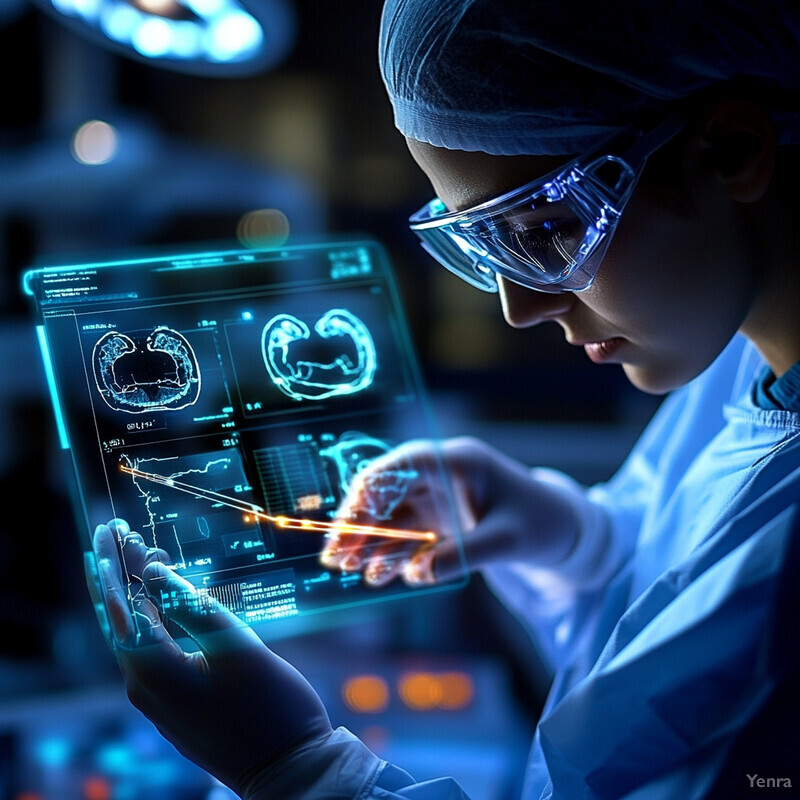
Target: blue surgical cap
(552, 77)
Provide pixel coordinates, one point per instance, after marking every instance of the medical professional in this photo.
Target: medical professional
(630, 172)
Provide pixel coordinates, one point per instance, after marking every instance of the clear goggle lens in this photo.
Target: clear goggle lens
(552, 240)
(551, 234)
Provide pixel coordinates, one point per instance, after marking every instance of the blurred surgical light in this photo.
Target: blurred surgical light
(153, 38)
(213, 37)
(163, 7)
(95, 142)
(204, 7)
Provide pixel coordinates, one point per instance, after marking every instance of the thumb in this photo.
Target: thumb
(207, 621)
(436, 565)
(493, 539)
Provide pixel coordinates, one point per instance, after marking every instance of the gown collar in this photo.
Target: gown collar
(778, 393)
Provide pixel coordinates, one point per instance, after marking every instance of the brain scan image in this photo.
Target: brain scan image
(284, 343)
(146, 371)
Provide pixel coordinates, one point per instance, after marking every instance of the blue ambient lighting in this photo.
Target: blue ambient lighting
(10, 10)
(213, 36)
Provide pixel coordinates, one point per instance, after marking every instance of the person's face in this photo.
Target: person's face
(673, 287)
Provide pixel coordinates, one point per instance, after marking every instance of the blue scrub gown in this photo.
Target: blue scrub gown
(658, 669)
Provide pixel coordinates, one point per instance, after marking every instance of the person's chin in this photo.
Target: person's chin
(655, 380)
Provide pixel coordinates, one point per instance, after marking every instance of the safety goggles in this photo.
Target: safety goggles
(552, 233)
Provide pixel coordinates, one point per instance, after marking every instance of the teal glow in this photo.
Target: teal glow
(206, 8)
(170, 259)
(187, 40)
(116, 759)
(117, 21)
(53, 752)
(234, 34)
(88, 9)
(51, 385)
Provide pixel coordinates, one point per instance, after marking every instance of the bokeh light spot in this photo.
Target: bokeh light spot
(457, 690)
(367, 694)
(95, 142)
(96, 788)
(263, 227)
(421, 691)
(153, 38)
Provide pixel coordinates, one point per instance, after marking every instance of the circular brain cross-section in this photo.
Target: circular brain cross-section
(349, 372)
(146, 371)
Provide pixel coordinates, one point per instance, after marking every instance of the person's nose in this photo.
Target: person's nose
(524, 308)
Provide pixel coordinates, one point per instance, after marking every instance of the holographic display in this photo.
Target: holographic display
(224, 403)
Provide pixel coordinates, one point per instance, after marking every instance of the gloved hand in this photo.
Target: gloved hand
(504, 512)
(233, 706)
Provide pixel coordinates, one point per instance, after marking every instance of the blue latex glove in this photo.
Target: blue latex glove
(503, 510)
(233, 707)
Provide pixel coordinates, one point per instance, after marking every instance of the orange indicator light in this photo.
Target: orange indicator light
(427, 691)
(367, 694)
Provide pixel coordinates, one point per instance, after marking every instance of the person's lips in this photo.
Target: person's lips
(604, 350)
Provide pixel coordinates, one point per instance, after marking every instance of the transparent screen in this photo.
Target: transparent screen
(222, 404)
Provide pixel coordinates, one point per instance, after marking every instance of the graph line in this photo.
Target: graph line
(303, 525)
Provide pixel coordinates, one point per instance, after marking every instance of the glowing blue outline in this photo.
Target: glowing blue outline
(51, 385)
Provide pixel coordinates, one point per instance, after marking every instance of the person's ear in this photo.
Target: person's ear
(740, 143)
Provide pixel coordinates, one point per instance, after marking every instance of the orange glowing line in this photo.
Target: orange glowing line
(286, 523)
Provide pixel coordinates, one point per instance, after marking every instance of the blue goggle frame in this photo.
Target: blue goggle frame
(552, 233)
